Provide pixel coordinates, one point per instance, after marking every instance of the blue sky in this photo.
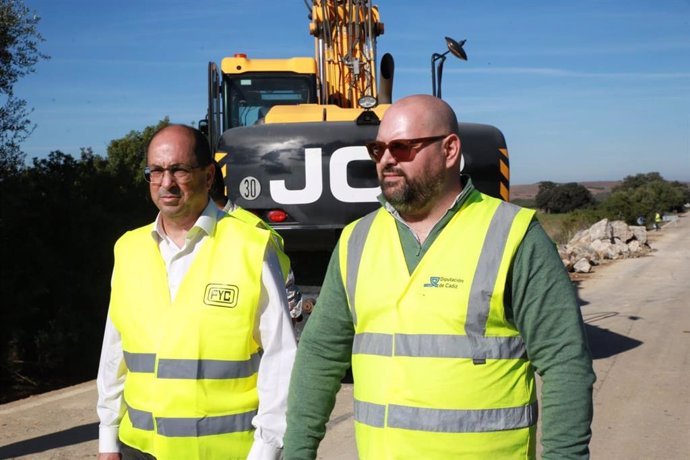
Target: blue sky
(582, 90)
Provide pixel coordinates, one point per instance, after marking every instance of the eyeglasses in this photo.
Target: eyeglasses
(181, 173)
(400, 149)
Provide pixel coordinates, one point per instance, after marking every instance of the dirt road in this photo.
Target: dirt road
(637, 313)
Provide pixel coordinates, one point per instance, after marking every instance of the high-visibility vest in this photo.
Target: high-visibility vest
(438, 371)
(190, 387)
(254, 220)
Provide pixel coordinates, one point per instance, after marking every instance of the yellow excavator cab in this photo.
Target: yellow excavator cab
(240, 63)
(315, 112)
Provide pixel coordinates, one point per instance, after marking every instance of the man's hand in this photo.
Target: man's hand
(109, 456)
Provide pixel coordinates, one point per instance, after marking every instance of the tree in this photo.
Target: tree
(19, 40)
(15, 127)
(561, 198)
(127, 154)
(637, 181)
(544, 194)
(59, 220)
(645, 195)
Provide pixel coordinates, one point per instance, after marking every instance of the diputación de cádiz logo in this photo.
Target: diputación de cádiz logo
(443, 282)
(221, 295)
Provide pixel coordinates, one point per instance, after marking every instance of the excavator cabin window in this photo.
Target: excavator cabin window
(250, 96)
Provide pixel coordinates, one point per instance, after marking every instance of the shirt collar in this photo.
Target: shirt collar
(205, 223)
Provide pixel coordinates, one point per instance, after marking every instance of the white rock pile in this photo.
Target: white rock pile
(603, 240)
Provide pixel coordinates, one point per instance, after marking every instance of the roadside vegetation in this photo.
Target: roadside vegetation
(59, 219)
(565, 209)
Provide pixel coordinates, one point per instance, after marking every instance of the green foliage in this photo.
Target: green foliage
(639, 195)
(59, 220)
(560, 198)
(645, 195)
(15, 127)
(128, 154)
(637, 181)
(562, 227)
(19, 40)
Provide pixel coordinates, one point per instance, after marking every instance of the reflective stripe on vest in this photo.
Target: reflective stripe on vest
(205, 426)
(445, 420)
(487, 271)
(437, 346)
(189, 426)
(140, 362)
(192, 368)
(140, 419)
(355, 246)
(207, 368)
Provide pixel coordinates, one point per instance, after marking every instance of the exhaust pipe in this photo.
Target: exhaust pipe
(386, 79)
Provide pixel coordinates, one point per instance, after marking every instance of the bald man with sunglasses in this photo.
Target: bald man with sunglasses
(445, 302)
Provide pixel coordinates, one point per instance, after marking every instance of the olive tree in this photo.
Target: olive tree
(561, 198)
(19, 40)
(643, 195)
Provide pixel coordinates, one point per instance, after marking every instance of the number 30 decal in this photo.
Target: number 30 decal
(250, 188)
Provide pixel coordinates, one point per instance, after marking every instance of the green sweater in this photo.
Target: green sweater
(540, 300)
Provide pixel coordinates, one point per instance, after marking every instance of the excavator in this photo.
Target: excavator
(289, 134)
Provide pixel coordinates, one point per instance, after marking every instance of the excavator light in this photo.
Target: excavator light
(367, 102)
(276, 215)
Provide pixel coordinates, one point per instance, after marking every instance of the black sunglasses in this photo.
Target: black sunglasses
(400, 149)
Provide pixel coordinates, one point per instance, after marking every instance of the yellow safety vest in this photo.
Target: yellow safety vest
(190, 389)
(439, 372)
(254, 220)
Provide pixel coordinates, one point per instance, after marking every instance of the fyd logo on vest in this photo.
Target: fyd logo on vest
(221, 295)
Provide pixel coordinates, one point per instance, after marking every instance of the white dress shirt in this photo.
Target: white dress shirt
(274, 333)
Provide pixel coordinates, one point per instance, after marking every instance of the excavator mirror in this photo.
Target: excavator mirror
(456, 48)
(453, 47)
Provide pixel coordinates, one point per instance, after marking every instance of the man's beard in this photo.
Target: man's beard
(409, 196)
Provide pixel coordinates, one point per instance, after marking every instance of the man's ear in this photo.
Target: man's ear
(452, 149)
(210, 175)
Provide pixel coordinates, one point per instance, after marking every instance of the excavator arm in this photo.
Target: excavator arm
(345, 35)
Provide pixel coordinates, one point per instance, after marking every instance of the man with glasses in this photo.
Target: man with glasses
(198, 344)
(444, 302)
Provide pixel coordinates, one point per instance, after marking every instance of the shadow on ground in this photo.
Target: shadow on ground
(71, 436)
(604, 343)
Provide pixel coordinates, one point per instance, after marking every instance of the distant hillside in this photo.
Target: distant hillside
(529, 191)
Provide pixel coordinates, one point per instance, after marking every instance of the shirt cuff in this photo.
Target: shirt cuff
(263, 451)
(107, 439)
